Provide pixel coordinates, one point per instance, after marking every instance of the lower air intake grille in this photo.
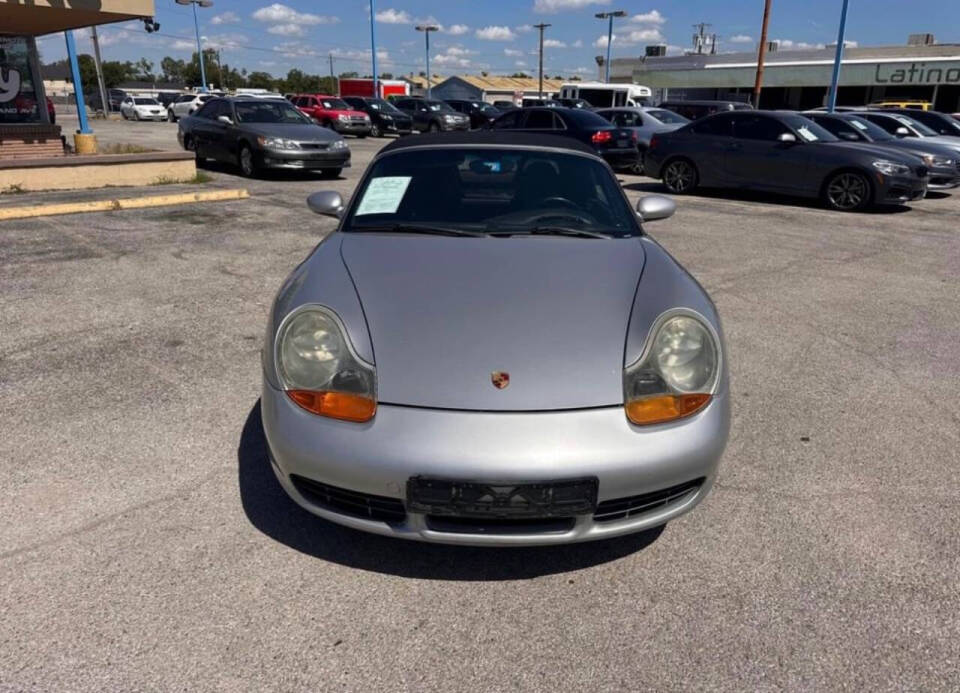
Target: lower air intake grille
(352, 503)
(622, 508)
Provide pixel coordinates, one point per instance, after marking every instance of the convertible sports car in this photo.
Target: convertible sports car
(490, 350)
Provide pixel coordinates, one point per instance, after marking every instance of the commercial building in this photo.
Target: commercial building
(490, 89)
(799, 79)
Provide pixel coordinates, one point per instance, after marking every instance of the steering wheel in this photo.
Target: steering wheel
(560, 201)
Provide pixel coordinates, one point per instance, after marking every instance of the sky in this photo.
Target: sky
(493, 35)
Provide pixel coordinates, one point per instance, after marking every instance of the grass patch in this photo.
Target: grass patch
(124, 149)
(199, 178)
(13, 189)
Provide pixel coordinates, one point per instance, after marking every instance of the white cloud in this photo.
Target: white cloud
(392, 16)
(584, 70)
(551, 6)
(458, 29)
(643, 35)
(601, 42)
(788, 45)
(281, 14)
(740, 38)
(225, 18)
(520, 63)
(523, 28)
(651, 17)
(577, 44)
(553, 43)
(496, 33)
(512, 52)
(286, 30)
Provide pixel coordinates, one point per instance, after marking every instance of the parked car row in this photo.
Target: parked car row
(800, 154)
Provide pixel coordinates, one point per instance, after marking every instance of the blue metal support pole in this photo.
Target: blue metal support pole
(373, 46)
(196, 27)
(838, 58)
(606, 77)
(77, 85)
(429, 83)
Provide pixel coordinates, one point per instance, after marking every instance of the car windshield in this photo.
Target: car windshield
(439, 106)
(667, 117)
(871, 130)
(269, 112)
(474, 191)
(146, 102)
(335, 105)
(916, 125)
(808, 130)
(381, 105)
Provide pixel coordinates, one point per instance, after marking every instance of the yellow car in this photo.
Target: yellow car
(916, 105)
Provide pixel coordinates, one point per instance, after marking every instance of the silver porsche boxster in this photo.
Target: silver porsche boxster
(489, 350)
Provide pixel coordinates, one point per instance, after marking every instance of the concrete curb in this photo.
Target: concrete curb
(122, 203)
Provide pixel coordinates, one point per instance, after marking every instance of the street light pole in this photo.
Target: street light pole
(196, 28)
(541, 27)
(609, 16)
(373, 46)
(838, 58)
(426, 29)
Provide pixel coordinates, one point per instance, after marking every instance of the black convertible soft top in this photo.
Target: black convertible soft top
(487, 138)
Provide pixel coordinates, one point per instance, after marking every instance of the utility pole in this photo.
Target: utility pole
(541, 27)
(373, 47)
(223, 83)
(96, 61)
(838, 58)
(334, 83)
(761, 54)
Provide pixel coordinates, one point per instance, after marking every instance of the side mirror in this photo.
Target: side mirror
(326, 202)
(849, 136)
(902, 132)
(227, 120)
(654, 207)
(787, 138)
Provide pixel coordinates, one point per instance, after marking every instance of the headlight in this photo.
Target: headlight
(890, 168)
(937, 161)
(678, 372)
(449, 118)
(339, 144)
(277, 143)
(343, 118)
(319, 370)
(387, 117)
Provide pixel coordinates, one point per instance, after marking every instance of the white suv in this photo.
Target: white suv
(186, 104)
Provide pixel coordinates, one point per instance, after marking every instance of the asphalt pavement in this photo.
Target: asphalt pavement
(145, 545)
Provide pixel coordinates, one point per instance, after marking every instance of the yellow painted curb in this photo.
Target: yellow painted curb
(121, 203)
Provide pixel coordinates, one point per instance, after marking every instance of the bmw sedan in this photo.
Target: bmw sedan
(490, 350)
(257, 133)
(783, 152)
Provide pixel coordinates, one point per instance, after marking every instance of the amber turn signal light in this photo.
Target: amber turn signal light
(336, 405)
(663, 408)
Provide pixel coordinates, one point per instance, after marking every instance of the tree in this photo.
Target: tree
(172, 69)
(386, 75)
(520, 75)
(143, 70)
(115, 73)
(260, 80)
(348, 75)
(191, 72)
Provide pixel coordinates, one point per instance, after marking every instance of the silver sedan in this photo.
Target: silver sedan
(490, 350)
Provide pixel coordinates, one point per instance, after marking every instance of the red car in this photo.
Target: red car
(334, 113)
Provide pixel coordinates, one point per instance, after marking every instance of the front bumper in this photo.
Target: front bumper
(352, 128)
(304, 159)
(899, 189)
(943, 178)
(400, 128)
(463, 125)
(378, 458)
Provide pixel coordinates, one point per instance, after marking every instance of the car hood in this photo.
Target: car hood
(921, 145)
(291, 131)
(952, 142)
(897, 156)
(445, 313)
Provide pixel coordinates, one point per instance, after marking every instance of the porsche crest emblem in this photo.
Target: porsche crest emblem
(500, 379)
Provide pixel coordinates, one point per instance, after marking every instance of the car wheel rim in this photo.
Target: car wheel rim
(678, 176)
(246, 161)
(847, 191)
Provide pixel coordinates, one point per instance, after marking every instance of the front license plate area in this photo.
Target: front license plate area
(502, 500)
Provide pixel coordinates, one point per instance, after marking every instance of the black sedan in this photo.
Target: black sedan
(385, 118)
(786, 153)
(617, 146)
(942, 160)
(257, 133)
(941, 123)
(480, 113)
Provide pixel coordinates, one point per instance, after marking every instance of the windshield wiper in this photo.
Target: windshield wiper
(552, 231)
(418, 228)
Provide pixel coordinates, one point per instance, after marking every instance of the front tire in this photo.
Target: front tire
(248, 167)
(170, 117)
(433, 128)
(330, 172)
(680, 176)
(847, 191)
(375, 131)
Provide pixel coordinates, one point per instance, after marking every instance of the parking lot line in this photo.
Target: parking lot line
(108, 205)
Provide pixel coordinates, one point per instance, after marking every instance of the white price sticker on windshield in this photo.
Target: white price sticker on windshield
(807, 135)
(858, 125)
(383, 195)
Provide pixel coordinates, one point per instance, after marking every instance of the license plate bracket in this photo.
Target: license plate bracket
(509, 499)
